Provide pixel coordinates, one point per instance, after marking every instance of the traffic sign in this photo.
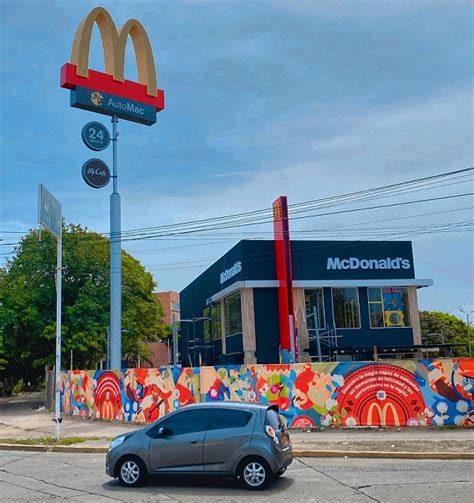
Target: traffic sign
(96, 173)
(49, 211)
(95, 136)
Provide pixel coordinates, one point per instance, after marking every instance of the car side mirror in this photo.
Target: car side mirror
(163, 433)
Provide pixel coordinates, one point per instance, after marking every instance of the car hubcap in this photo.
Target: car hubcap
(254, 474)
(130, 472)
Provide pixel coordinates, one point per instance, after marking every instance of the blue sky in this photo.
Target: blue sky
(306, 99)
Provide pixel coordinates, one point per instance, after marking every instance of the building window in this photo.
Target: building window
(346, 307)
(388, 307)
(233, 315)
(212, 326)
(314, 299)
(175, 306)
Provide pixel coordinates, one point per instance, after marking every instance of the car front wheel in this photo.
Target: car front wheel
(132, 472)
(255, 474)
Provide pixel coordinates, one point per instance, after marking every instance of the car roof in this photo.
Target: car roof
(231, 405)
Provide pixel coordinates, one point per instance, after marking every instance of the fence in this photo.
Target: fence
(399, 393)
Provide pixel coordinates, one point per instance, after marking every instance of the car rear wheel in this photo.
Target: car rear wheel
(255, 474)
(132, 472)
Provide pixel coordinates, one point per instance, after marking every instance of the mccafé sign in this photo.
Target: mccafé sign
(109, 93)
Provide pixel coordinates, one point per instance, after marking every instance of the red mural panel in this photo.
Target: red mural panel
(380, 395)
(107, 396)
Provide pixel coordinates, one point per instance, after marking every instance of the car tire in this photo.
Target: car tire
(255, 474)
(280, 472)
(132, 472)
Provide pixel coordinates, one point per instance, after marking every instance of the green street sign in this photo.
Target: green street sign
(49, 211)
(95, 136)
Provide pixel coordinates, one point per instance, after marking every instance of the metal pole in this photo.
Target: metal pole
(292, 338)
(174, 329)
(469, 334)
(107, 363)
(316, 331)
(72, 359)
(115, 262)
(57, 411)
(194, 342)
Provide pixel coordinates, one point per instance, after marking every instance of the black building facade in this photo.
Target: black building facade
(349, 298)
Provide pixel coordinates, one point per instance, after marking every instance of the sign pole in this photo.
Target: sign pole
(175, 342)
(115, 261)
(57, 408)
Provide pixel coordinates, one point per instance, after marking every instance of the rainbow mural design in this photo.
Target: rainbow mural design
(348, 394)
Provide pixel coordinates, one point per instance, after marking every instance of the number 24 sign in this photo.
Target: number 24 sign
(95, 136)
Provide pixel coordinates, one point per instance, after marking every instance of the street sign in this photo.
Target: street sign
(109, 104)
(49, 211)
(95, 136)
(96, 173)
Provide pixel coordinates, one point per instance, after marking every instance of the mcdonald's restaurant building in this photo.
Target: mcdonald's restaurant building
(350, 299)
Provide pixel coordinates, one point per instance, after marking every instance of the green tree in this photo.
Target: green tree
(28, 298)
(437, 326)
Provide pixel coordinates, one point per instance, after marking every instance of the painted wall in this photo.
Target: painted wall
(395, 393)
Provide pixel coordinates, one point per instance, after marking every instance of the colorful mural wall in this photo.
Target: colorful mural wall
(348, 394)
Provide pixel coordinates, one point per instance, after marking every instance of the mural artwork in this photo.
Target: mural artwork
(347, 394)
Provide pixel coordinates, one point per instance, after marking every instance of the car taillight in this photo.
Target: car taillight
(271, 433)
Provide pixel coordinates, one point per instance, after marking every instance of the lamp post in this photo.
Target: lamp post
(467, 314)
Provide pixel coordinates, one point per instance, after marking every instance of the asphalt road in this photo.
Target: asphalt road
(29, 476)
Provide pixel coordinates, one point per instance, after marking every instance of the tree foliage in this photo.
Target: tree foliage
(28, 303)
(437, 327)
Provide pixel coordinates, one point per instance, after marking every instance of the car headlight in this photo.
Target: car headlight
(116, 442)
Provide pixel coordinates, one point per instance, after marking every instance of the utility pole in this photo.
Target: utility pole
(467, 314)
(115, 261)
(174, 329)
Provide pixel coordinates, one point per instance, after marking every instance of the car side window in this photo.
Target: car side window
(183, 423)
(222, 419)
(273, 419)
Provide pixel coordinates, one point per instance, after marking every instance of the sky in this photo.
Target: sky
(267, 98)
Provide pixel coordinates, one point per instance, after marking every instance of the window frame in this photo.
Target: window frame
(235, 294)
(323, 306)
(381, 288)
(356, 288)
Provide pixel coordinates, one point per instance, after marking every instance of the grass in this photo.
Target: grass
(48, 440)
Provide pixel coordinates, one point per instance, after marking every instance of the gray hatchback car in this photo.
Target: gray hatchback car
(244, 440)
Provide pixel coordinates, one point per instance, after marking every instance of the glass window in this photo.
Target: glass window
(212, 327)
(186, 422)
(221, 419)
(273, 419)
(388, 307)
(346, 307)
(314, 299)
(233, 315)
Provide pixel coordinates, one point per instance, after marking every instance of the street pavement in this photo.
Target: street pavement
(26, 476)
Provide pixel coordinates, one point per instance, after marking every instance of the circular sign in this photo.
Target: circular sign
(95, 136)
(96, 173)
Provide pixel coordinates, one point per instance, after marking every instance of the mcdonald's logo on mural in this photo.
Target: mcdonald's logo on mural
(134, 101)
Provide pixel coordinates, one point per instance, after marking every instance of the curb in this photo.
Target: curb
(54, 448)
(296, 453)
(382, 454)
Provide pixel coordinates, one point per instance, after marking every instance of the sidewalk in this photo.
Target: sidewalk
(20, 418)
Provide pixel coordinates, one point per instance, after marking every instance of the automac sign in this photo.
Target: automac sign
(355, 263)
(110, 93)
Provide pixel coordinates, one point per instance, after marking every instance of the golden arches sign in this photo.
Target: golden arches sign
(382, 414)
(114, 44)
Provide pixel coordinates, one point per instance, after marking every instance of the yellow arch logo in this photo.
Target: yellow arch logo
(381, 414)
(114, 43)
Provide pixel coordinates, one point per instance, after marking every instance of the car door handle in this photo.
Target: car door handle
(194, 442)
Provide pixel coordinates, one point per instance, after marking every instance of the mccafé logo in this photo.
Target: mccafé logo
(354, 263)
(76, 73)
(230, 273)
